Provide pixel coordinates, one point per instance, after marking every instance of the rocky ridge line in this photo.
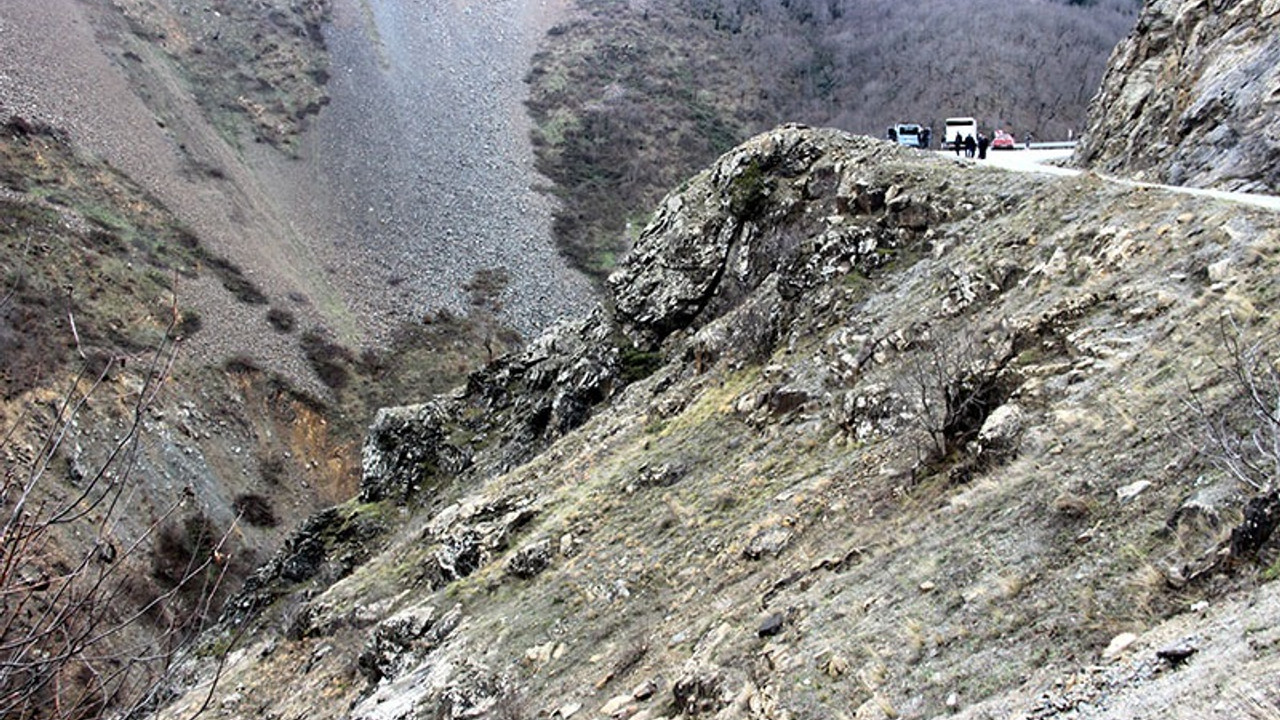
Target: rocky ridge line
(866, 430)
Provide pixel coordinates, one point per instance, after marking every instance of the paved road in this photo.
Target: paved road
(1040, 161)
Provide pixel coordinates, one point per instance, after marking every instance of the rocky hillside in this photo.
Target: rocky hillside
(1192, 97)
(182, 377)
(860, 433)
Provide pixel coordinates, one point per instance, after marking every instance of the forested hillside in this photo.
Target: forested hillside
(631, 97)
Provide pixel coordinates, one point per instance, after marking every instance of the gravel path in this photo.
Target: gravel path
(420, 171)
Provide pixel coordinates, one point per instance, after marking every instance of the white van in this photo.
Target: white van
(962, 126)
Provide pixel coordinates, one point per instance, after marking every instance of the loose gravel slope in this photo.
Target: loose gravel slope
(417, 173)
(420, 171)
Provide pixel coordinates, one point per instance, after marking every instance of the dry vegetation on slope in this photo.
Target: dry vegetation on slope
(257, 69)
(127, 465)
(918, 445)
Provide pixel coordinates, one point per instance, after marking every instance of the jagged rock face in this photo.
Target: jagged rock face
(921, 467)
(1192, 97)
(405, 447)
(769, 208)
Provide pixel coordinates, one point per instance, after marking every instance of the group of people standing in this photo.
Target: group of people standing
(972, 146)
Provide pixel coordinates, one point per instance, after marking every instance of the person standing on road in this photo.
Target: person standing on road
(984, 142)
(924, 137)
(970, 145)
(959, 143)
(1030, 136)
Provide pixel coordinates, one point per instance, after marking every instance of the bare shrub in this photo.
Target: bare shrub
(281, 320)
(189, 325)
(255, 509)
(1243, 433)
(954, 384)
(329, 359)
(272, 468)
(82, 633)
(485, 290)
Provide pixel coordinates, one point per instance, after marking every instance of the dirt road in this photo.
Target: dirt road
(1043, 161)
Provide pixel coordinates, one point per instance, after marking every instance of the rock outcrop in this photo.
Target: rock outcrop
(1192, 97)
(788, 205)
(859, 431)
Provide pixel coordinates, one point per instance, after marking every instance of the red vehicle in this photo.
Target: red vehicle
(1002, 141)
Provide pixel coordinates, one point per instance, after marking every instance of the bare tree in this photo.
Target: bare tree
(953, 384)
(484, 291)
(82, 632)
(1245, 434)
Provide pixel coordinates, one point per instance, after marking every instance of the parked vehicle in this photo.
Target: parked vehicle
(961, 127)
(1003, 141)
(908, 134)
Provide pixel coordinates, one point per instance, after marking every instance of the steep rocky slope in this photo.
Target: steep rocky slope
(861, 433)
(1192, 97)
(176, 351)
(361, 161)
(113, 445)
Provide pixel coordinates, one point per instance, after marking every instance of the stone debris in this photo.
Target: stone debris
(1118, 645)
(771, 625)
(1177, 653)
(1132, 490)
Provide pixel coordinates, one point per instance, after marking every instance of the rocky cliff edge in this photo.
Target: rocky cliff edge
(863, 432)
(1192, 97)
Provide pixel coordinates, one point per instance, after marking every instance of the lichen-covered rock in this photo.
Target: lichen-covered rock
(466, 538)
(407, 447)
(773, 206)
(388, 648)
(701, 690)
(451, 687)
(548, 389)
(325, 548)
(1002, 429)
(530, 560)
(1190, 97)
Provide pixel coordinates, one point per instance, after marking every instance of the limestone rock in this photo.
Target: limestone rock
(530, 560)
(388, 649)
(754, 216)
(405, 448)
(617, 706)
(769, 542)
(1002, 429)
(1189, 98)
(701, 690)
(325, 548)
(468, 537)
(1118, 645)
